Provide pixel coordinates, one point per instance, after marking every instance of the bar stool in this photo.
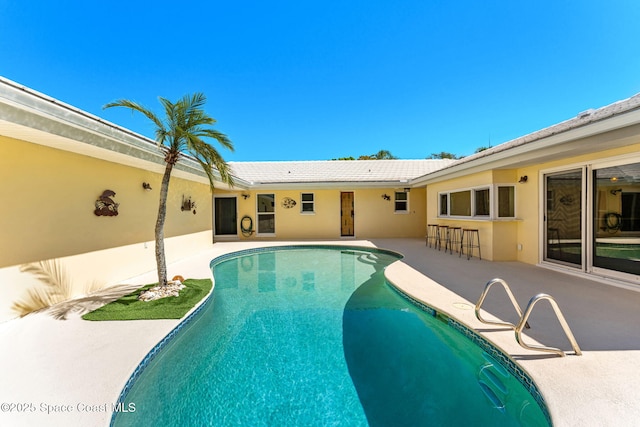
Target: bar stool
(472, 235)
(455, 236)
(443, 237)
(432, 232)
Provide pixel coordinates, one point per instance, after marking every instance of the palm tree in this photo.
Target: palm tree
(380, 155)
(181, 133)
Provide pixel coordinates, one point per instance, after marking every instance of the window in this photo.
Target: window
(478, 202)
(402, 201)
(460, 203)
(308, 203)
(506, 201)
(481, 205)
(444, 204)
(266, 213)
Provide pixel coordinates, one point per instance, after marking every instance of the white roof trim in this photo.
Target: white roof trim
(31, 116)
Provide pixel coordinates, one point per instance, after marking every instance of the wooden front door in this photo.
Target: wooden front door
(346, 214)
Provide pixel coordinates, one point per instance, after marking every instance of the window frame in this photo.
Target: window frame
(396, 201)
(445, 197)
(307, 202)
(496, 201)
(265, 213)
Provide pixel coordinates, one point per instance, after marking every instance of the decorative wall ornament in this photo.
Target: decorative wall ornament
(105, 206)
(188, 205)
(288, 203)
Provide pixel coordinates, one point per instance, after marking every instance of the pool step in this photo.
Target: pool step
(491, 384)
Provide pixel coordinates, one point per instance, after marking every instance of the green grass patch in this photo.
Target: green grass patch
(130, 308)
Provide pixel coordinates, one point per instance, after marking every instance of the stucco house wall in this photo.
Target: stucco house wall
(48, 200)
(374, 217)
(47, 203)
(519, 239)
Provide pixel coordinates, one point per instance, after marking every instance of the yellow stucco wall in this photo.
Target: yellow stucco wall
(497, 238)
(520, 239)
(47, 201)
(373, 215)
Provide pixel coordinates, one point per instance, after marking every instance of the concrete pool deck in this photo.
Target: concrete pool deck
(76, 369)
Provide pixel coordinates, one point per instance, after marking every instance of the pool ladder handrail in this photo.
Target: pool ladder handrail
(563, 322)
(507, 289)
(523, 322)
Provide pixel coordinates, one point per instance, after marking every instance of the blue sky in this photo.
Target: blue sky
(315, 80)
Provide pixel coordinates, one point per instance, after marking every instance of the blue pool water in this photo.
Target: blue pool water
(316, 337)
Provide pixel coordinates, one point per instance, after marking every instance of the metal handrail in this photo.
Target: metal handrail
(507, 289)
(561, 319)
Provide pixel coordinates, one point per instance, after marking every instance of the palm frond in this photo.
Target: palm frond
(57, 286)
(35, 300)
(134, 106)
(220, 137)
(210, 159)
(50, 272)
(56, 292)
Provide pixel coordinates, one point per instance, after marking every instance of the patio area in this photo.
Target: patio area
(76, 368)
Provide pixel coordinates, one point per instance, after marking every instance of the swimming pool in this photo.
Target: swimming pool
(315, 336)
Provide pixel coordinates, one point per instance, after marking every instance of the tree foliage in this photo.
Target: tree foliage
(380, 155)
(444, 155)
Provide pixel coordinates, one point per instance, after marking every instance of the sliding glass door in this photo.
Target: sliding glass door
(563, 235)
(592, 218)
(616, 218)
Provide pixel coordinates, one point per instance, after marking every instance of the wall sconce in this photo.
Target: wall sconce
(386, 197)
(246, 196)
(407, 189)
(615, 192)
(523, 179)
(146, 186)
(188, 205)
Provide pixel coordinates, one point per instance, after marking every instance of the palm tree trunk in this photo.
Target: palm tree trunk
(161, 260)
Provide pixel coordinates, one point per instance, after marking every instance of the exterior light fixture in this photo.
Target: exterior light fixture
(146, 186)
(523, 179)
(386, 197)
